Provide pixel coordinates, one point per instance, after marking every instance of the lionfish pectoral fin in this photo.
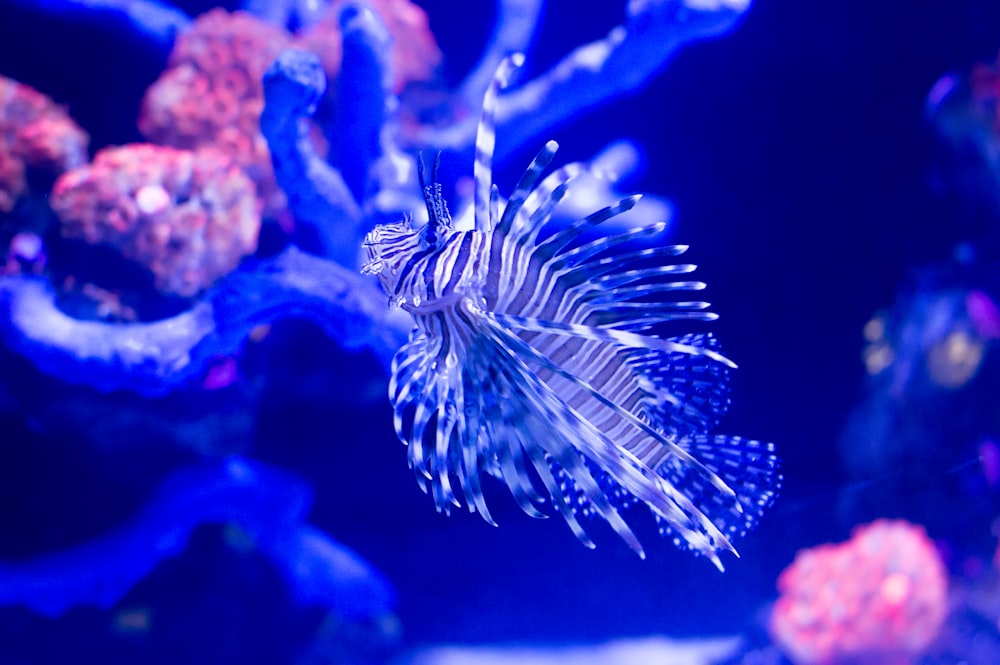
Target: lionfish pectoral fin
(571, 460)
(611, 335)
(502, 418)
(544, 431)
(665, 499)
(548, 411)
(750, 467)
(582, 439)
(559, 502)
(470, 430)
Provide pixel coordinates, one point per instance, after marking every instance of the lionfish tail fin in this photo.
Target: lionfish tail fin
(686, 394)
(747, 466)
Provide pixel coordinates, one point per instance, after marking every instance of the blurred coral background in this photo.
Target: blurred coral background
(197, 457)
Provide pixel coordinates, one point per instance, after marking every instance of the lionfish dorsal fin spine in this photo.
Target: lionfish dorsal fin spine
(526, 184)
(486, 140)
(438, 216)
(494, 206)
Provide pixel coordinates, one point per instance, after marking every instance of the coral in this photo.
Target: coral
(964, 107)
(880, 597)
(984, 314)
(361, 134)
(26, 253)
(13, 185)
(378, 171)
(155, 23)
(318, 197)
(164, 356)
(937, 338)
(103, 355)
(593, 74)
(513, 32)
(187, 217)
(932, 365)
(268, 505)
(414, 52)
(36, 135)
(211, 94)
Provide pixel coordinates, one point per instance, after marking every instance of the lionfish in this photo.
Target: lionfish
(538, 358)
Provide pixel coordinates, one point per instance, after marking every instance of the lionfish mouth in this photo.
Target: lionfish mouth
(373, 265)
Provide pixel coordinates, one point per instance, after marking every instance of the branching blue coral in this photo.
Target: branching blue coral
(514, 32)
(592, 75)
(156, 23)
(155, 358)
(268, 504)
(374, 180)
(318, 198)
(340, 202)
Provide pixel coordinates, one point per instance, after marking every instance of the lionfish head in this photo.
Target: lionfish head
(391, 248)
(388, 249)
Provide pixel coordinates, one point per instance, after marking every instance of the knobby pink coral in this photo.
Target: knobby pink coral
(35, 134)
(880, 597)
(186, 216)
(211, 94)
(415, 53)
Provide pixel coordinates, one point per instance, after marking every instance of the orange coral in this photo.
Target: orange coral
(187, 216)
(880, 597)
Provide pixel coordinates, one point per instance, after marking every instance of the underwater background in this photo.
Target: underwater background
(197, 455)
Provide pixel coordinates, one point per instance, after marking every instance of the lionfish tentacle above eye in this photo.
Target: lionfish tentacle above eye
(544, 356)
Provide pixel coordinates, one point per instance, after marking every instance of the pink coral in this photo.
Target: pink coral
(985, 83)
(187, 216)
(880, 597)
(35, 134)
(25, 255)
(415, 53)
(211, 94)
(984, 314)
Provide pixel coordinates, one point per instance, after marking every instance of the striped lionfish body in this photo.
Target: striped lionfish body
(538, 358)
